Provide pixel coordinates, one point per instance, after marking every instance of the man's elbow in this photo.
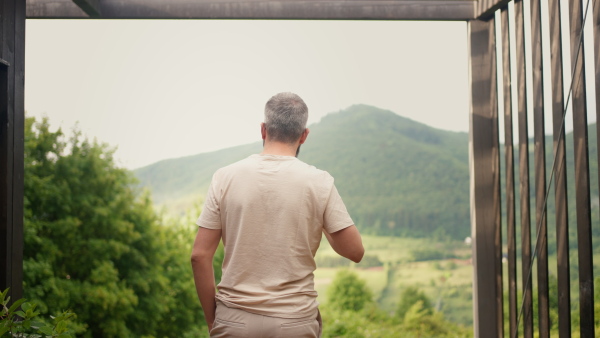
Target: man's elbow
(199, 257)
(357, 255)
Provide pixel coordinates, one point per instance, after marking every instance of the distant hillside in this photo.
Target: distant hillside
(179, 183)
(397, 176)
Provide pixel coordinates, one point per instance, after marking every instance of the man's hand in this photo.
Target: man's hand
(205, 245)
(347, 243)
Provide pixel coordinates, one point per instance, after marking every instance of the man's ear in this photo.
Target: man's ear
(263, 130)
(304, 135)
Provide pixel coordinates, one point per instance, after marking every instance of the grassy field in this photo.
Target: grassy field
(446, 281)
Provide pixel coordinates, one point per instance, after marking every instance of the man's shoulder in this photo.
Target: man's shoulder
(315, 172)
(297, 167)
(232, 167)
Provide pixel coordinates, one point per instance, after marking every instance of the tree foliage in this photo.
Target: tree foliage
(21, 320)
(346, 315)
(94, 244)
(421, 321)
(348, 292)
(411, 296)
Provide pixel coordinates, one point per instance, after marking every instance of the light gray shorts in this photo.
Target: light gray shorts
(230, 322)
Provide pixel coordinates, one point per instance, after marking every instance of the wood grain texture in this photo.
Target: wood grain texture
(261, 9)
(582, 174)
(485, 180)
(524, 188)
(539, 135)
(560, 175)
(511, 239)
(12, 114)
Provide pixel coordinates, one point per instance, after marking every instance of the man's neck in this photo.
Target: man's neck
(279, 148)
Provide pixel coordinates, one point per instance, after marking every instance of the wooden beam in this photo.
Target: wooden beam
(90, 7)
(560, 175)
(12, 119)
(484, 167)
(539, 135)
(511, 239)
(524, 189)
(460, 10)
(484, 9)
(582, 173)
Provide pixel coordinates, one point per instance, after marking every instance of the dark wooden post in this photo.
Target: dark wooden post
(485, 181)
(524, 189)
(582, 172)
(539, 135)
(12, 65)
(511, 238)
(560, 176)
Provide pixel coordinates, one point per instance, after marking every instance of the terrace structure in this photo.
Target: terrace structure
(488, 26)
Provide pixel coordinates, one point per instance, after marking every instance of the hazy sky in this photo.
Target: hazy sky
(158, 89)
(164, 89)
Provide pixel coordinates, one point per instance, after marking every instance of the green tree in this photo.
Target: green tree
(411, 296)
(94, 245)
(348, 292)
(422, 322)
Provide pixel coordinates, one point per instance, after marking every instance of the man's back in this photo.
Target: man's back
(272, 210)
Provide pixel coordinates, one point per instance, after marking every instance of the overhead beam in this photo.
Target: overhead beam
(90, 7)
(443, 10)
(484, 9)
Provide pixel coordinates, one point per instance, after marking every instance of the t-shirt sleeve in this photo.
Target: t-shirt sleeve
(336, 216)
(210, 217)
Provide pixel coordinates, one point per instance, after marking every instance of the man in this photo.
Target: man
(270, 210)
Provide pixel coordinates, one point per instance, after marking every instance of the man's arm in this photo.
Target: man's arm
(347, 243)
(205, 245)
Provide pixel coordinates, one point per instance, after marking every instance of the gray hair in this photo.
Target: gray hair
(285, 117)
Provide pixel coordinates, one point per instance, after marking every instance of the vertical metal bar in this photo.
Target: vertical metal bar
(560, 175)
(582, 179)
(12, 52)
(510, 175)
(527, 315)
(485, 180)
(539, 135)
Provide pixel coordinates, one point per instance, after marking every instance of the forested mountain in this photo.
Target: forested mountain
(397, 176)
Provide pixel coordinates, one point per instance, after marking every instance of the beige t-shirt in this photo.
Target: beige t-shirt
(272, 210)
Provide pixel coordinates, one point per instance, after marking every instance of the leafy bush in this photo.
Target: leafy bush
(19, 320)
(348, 292)
(411, 296)
(423, 322)
(373, 322)
(369, 322)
